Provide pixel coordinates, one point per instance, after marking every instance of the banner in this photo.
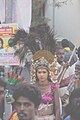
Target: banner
(7, 56)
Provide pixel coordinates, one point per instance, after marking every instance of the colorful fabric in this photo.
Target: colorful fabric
(12, 81)
(14, 116)
(48, 97)
(66, 81)
(45, 110)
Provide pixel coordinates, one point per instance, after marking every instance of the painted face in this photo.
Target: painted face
(42, 74)
(25, 108)
(60, 55)
(2, 93)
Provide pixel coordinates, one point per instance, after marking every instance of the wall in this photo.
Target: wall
(66, 20)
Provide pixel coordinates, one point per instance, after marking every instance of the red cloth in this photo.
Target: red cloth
(65, 81)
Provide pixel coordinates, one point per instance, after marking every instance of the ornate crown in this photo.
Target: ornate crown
(41, 62)
(44, 58)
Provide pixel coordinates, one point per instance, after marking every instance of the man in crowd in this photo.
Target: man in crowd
(2, 96)
(77, 65)
(64, 93)
(27, 99)
(75, 82)
(68, 52)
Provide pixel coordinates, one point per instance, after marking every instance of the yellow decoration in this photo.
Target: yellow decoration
(14, 116)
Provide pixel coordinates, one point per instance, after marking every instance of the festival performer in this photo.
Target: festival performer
(41, 38)
(44, 78)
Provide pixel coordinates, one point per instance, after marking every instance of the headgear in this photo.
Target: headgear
(44, 59)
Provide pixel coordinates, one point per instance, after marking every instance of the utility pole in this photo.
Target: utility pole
(53, 13)
(8, 11)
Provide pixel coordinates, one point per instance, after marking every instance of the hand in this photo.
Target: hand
(66, 65)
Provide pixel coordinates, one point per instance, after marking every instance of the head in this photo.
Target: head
(65, 43)
(73, 108)
(2, 89)
(60, 54)
(77, 70)
(41, 68)
(42, 74)
(1, 43)
(27, 99)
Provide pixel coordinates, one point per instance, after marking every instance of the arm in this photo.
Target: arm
(62, 72)
(57, 104)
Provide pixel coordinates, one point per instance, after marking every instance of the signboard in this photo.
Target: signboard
(7, 56)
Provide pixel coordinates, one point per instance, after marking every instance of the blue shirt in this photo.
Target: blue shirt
(67, 118)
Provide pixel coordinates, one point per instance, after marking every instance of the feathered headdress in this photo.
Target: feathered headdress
(41, 38)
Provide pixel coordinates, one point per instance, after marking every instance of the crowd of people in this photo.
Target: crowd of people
(53, 91)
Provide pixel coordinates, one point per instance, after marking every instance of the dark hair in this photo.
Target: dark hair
(79, 52)
(3, 83)
(1, 41)
(29, 91)
(65, 43)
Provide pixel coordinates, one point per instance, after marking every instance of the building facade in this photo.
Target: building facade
(65, 18)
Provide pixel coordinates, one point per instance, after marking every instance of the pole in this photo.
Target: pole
(5, 11)
(53, 14)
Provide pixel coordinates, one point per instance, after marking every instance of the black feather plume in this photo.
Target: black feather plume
(39, 37)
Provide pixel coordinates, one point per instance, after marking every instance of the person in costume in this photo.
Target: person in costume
(49, 109)
(27, 99)
(40, 38)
